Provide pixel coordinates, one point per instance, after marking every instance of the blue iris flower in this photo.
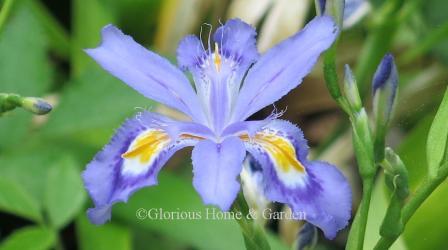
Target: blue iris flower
(231, 82)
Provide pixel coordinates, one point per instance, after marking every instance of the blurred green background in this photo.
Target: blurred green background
(42, 199)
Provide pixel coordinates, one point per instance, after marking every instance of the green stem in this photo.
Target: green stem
(364, 153)
(331, 78)
(4, 12)
(254, 236)
(362, 213)
(416, 200)
(379, 143)
(9, 102)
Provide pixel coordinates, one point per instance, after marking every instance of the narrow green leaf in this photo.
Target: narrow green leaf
(16, 200)
(106, 237)
(30, 238)
(64, 194)
(438, 138)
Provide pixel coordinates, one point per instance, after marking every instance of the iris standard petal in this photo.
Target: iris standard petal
(190, 53)
(216, 167)
(146, 72)
(218, 71)
(283, 67)
(237, 40)
(315, 191)
(133, 159)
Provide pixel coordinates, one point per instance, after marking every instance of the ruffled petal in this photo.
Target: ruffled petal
(190, 53)
(237, 41)
(216, 167)
(334, 201)
(146, 72)
(283, 67)
(315, 191)
(133, 158)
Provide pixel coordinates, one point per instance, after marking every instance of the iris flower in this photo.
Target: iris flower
(231, 82)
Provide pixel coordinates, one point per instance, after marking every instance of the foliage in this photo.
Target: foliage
(43, 201)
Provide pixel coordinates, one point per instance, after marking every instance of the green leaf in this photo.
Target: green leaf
(58, 37)
(377, 211)
(412, 154)
(177, 194)
(28, 167)
(433, 210)
(89, 16)
(30, 238)
(24, 69)
(16, 200)
(93, 106)
(438, 138)
(433, 213)
(64, 194)
(106, 237)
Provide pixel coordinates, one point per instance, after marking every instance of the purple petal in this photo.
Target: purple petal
(216, 167)
(237, 40)
(315, 191)
(218, 74)
(244, 127)
(132, 160)
(283, 67)
(146, 72)
(334, 200)
(190, 53)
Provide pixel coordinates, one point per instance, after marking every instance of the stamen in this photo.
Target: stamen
(217, 58)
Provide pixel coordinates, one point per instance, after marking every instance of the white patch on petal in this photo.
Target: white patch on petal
(143, 151)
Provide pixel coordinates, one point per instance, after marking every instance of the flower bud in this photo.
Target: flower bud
(384, 85)
(251, 180)
(396, 174)
(36, 105)
(307, 237)
(351, 90)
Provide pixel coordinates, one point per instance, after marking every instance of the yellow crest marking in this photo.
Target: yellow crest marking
(147, 145)
(280, 149)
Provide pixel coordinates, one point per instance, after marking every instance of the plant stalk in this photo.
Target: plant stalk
(416, 200)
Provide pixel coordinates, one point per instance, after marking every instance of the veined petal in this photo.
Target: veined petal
(315, 191)
(216, 167)
(283, 67)
(146, 72)
(334, 201)
(133, 159)
(237, 41)
(218, 74)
